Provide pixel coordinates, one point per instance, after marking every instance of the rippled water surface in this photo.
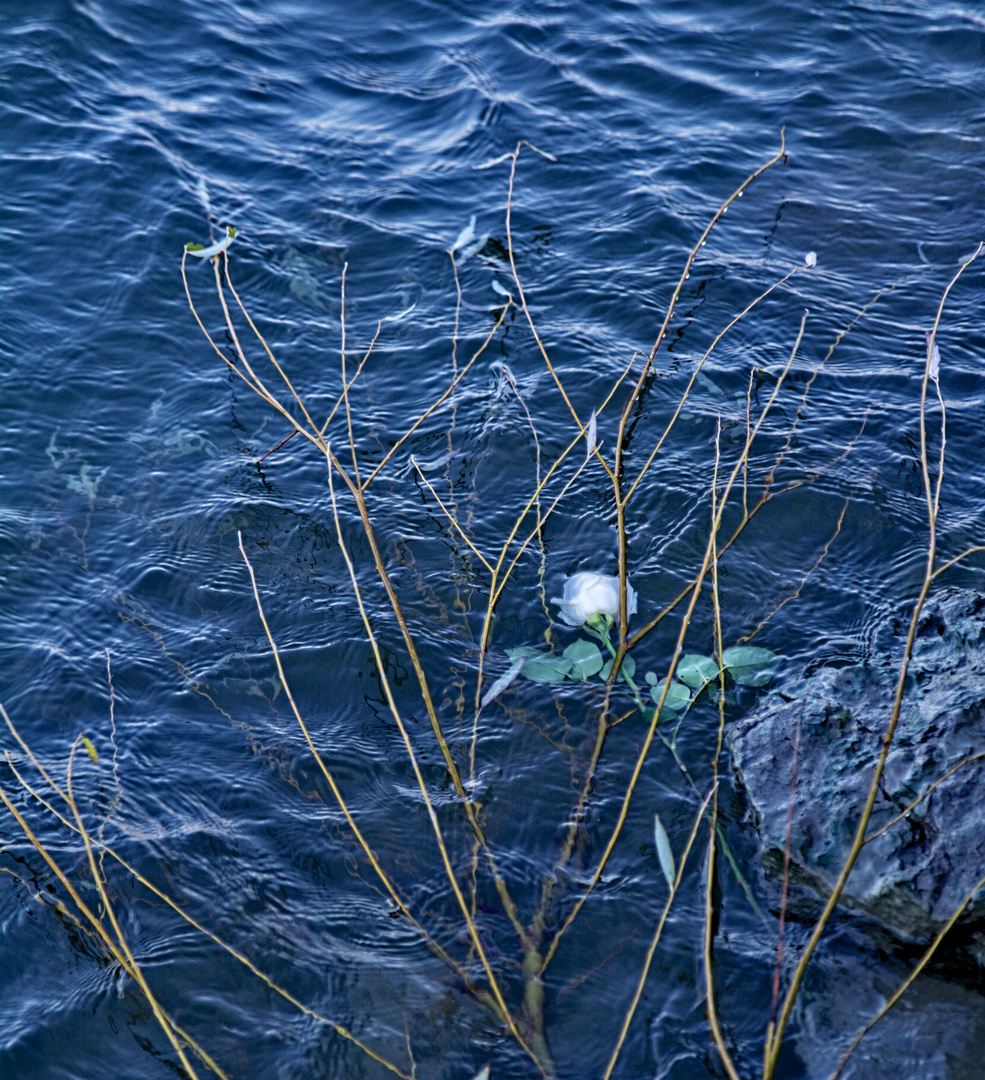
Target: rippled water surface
(366, 136)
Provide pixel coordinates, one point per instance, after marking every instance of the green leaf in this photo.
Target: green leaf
(750, 666)
(586, 660)
(678, 696)
(696, 670)
(91, 750)
(540, 666)
(628, 669)
(190, 247)
(651, 678)
(664, 852)
(549, 670)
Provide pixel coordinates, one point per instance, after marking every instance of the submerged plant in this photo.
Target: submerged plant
(508, 977)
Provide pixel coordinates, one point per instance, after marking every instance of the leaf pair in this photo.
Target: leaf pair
(746, 665)
(579, 661)
(626, 671)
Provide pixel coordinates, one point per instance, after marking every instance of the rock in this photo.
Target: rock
(916, 874)
(935, 1032)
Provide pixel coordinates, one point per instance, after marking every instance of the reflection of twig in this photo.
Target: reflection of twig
(451, 517)
(540, 534)
(803, 581)
(440, 401)
(694, 374)
(112, 722)
(514, 157)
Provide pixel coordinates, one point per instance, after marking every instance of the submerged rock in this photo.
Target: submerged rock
(935, 1032)
(917, 873)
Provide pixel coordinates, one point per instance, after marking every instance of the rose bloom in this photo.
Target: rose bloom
(587, 594)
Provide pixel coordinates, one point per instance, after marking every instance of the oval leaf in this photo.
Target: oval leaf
(696, 670)
(678, 696)
(586, 660)
(749, 665)
(628, 669)
(541, 666)
(548, 670)
(664, 852)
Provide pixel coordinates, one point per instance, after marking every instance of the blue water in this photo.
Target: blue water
(366, 136)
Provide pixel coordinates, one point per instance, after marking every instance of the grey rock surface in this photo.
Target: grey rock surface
(917, 873)
(935, 1032)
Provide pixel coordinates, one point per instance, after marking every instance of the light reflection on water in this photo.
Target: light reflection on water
(355, 137)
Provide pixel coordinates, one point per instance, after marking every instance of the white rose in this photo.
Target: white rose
(587, 594)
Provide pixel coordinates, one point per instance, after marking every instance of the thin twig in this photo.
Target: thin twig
(179, 909)
(778, 966)
(630, 1012)
(709, 920)
(451, 517)
(920, 798)
(911, 978)
(440, 401)
(422, 786)
(773, 1046)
